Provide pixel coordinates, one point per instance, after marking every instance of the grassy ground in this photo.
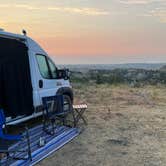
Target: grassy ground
(127, 127)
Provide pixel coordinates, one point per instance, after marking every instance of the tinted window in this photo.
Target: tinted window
(53, 69)
(43, 66)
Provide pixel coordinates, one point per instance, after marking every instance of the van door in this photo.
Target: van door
(48, 84)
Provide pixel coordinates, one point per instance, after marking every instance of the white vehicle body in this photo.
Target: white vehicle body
(41, 86)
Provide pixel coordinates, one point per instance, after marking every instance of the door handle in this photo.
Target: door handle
(40, 83)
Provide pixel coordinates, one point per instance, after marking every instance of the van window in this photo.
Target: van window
(53, 69)
(43, 66)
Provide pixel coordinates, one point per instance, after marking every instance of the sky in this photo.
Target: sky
(91, 31)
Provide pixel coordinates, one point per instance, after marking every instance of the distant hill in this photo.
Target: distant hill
(163, 68)
(87, 67)
(131, 76)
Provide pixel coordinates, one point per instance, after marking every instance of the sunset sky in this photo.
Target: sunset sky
(91, 31)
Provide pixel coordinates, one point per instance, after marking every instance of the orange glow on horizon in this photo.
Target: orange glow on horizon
(92, 46)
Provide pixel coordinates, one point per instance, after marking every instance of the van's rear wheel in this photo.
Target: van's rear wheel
(67, 103)
(70, 118)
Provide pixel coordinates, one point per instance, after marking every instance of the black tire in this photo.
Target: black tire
(67, 103)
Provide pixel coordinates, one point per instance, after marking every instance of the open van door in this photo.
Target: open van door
(15, 81)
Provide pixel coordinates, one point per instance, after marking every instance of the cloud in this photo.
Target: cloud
(28, 7)
(159, 13)
(140, 2)
(22, 6)
(76, 10)
(82, 11)
(131, 2)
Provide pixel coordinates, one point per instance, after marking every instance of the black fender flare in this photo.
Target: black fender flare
(66, 91)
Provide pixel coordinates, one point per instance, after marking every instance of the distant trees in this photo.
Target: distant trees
(133, 77)
(99, 79)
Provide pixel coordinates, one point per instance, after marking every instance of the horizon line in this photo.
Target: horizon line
(149, 63)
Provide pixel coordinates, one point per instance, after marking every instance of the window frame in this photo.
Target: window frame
(49, 69)
(49, 59)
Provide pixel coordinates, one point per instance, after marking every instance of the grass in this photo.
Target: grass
(126, 126)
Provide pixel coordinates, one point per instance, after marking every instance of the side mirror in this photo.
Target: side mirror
(64, 74)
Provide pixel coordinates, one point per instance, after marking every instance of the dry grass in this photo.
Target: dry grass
(127, 127)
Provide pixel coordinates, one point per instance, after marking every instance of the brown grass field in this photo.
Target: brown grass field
(126, 127)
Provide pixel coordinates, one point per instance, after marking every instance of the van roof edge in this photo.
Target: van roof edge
(12, 35)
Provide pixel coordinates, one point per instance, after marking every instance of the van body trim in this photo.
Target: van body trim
(23, 119)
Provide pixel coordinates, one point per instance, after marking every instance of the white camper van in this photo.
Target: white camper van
(27, 74)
